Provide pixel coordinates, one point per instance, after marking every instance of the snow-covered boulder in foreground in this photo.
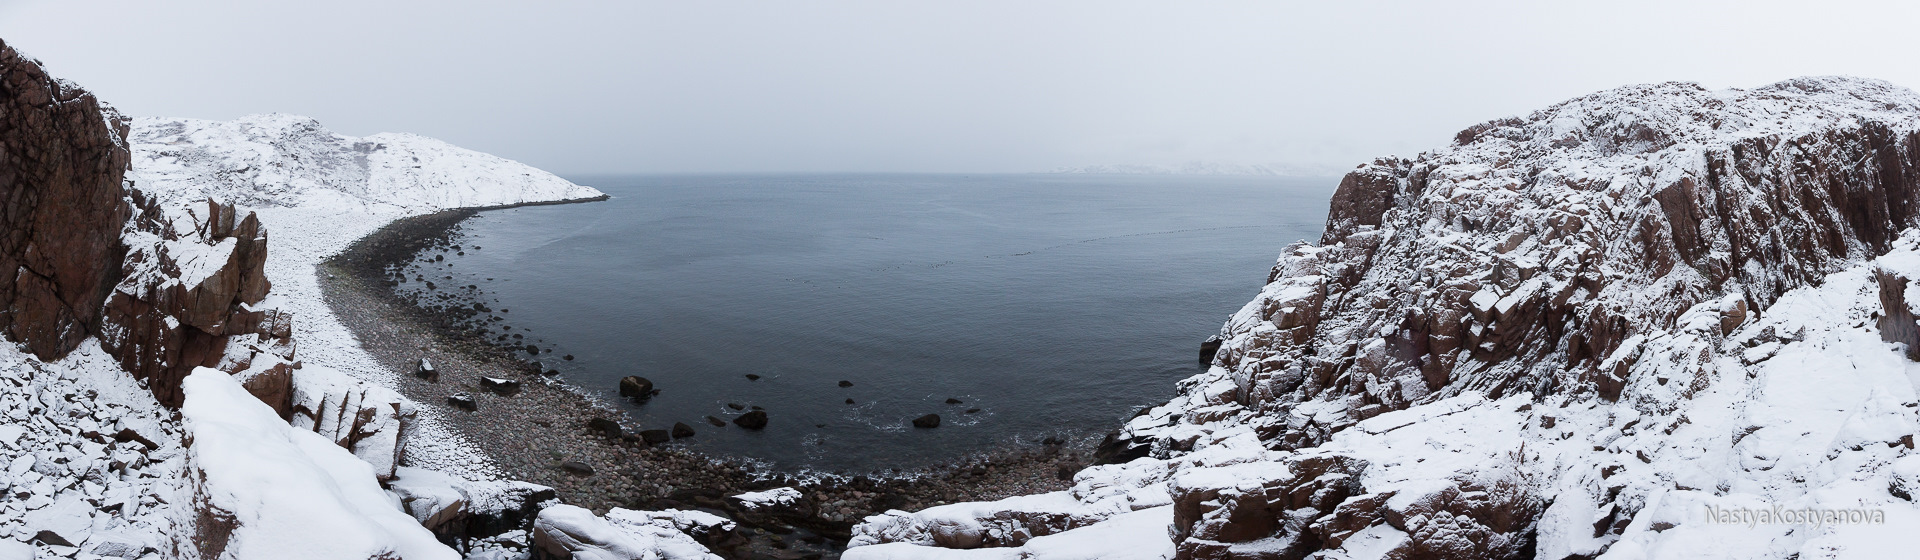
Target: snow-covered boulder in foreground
(266, 490)
(454, 508)
(1652, 322)
(572, 533)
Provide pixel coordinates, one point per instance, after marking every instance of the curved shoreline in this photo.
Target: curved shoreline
(532, 432)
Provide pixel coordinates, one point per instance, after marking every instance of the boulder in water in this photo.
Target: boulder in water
(752, 420)
(928, 421)
(636, 387)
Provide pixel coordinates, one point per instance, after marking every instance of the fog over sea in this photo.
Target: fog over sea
(1055, 305)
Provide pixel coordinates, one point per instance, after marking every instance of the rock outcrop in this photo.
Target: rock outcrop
(193, 295)
(63, 158)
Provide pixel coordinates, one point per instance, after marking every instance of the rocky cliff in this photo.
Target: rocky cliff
(62, 161)
(1563, 336)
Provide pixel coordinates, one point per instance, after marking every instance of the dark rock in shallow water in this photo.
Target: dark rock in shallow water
(426, 371)
(972, 410)
(928, 421)
(716, 422)
(568, 357)
(532, 349)
(953, 401)
(752, 377)
(682, 430)
(756, 407)
(577, 467)
(502, 387)
(752, 420)
(736, 406)
(463, 401)
(636, 387)
(603, 427)
(849, 401)
(655, 437)
(844, 383)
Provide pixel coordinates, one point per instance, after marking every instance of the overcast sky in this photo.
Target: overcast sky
(714, 86)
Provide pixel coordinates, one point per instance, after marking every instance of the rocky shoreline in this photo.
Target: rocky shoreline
(539, 430)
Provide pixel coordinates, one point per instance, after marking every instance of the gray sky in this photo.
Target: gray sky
(978, 86)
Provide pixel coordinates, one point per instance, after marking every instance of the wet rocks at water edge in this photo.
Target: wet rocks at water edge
(716, 422)
(603, 427)
(954, 401)
(655, 437)
(753, 377)
(753, 420)
(637, 388)
(928, 421)
(682, 430)
(845, 384)
(426, 371)
(463, 401)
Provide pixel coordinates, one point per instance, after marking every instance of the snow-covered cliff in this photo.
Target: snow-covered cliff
(1610, 328)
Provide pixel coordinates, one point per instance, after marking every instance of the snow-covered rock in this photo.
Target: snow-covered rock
(453, 507)
(566, 532)
(1652, 322)
(264, 489)
(369, 420)
(782, 496)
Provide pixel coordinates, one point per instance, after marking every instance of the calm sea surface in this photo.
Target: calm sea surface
(1056, 305)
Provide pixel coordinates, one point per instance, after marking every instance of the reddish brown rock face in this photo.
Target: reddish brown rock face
(62, 159)
(169, 316)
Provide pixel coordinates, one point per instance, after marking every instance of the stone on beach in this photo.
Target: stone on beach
(682, 430)
(604, 427)
(502, 387)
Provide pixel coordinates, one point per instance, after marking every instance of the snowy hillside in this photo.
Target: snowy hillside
(1651, 322)
(276, 160)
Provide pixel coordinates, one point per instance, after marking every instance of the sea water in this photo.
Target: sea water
(1048, 305)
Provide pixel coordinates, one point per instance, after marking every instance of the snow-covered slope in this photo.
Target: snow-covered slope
(1623, 327)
